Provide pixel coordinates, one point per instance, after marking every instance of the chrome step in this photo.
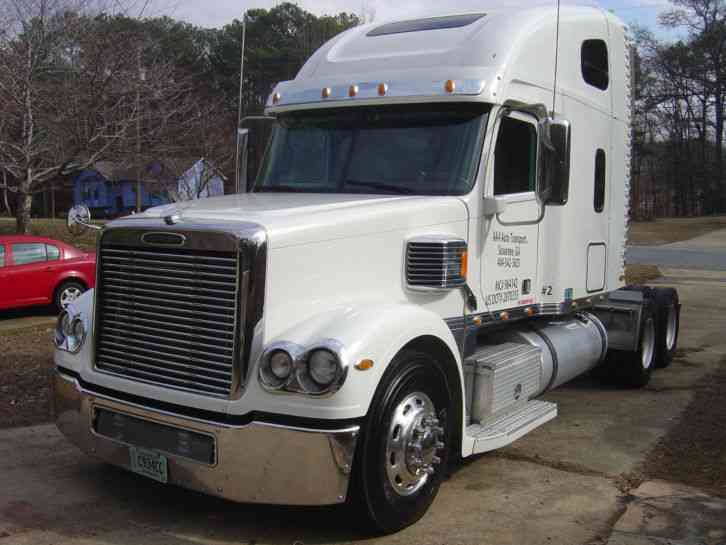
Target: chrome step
(503, 430)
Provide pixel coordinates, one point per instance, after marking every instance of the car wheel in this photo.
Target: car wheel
(67, 292)
(403, 451)
(668, 314)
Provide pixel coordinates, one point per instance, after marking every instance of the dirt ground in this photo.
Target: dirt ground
(668, 230)
(25, 370)
(693, 452)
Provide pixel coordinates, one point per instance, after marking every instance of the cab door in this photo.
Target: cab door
(511, 236)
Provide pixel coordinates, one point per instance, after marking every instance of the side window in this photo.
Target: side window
(24, 254)
(2, 256)
(595, 68)
(53, 252)
(515, 157)
(600, 172)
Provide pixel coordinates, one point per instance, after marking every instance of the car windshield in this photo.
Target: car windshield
(402, 150)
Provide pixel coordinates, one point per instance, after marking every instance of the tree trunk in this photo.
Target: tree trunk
(22, 214)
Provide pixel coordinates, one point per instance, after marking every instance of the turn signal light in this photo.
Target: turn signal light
(327, 91)
(276, 98)
(364, 365)
(464, 264)
(382, 89)
(353, 91)
(450, 86)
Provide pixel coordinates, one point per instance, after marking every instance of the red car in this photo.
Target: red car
(40, 271)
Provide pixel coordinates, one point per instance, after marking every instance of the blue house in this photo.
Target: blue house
(108, 199)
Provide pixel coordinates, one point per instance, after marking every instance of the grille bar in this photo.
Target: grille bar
(169, 316)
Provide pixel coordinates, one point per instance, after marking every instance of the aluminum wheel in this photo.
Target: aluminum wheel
(671, 327)
(413, 439)
(648, 348)
(68, 295)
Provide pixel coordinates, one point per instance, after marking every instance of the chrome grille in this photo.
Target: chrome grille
(169, 316)
(434, 263)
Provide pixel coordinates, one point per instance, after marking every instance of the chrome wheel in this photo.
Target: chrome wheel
(648, 348)
(414, 437)
(671, 328)
(68, 295)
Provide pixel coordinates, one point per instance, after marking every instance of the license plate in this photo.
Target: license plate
(149, 464)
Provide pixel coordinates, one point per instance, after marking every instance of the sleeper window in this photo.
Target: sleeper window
(515, 157)
(595, 69)
(600, 177)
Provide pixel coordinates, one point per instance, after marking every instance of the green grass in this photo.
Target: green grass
(55, 229)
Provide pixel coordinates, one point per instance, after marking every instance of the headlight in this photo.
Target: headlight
(276, 369)
(317, 370)
(70, 332)
(324, 367)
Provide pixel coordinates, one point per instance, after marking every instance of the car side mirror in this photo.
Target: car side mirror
(79, 220)
(253, 135)
(554, 184)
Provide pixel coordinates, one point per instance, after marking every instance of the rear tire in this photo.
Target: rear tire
(633, 369)
(66, 293)
(668, 318)
(403, 449)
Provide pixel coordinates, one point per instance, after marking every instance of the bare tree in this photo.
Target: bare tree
(73, 89)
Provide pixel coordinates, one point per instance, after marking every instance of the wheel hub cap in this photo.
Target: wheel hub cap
(414, 437)
(69, 295)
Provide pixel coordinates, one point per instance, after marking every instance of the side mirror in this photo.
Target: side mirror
(253, 135)
(79, 220)
(555, 182)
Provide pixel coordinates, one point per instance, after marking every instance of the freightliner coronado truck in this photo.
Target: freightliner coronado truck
(434, 239)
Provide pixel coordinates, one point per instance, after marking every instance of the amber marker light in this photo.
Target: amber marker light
(382, 89)
(327, 91)
(353, 91)
(504, 316)
(364, 365)
(276, 98)
(529, 311)
(477, 321)
(450, 86)
(464, 264)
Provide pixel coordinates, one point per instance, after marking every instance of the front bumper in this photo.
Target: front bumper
(256, 463)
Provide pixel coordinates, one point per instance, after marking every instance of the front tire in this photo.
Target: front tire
(403, 452)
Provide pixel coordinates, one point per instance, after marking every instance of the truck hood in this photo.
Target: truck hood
(293, 219)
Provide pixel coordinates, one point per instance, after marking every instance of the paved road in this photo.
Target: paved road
(707, 252)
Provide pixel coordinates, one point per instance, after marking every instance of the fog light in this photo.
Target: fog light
(324, 367)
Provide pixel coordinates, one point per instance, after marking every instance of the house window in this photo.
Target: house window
(595, 68)
(515, 157)
(600, 172)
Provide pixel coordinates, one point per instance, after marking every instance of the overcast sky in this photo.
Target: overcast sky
(215, 13)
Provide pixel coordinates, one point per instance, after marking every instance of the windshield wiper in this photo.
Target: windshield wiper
(382, 186)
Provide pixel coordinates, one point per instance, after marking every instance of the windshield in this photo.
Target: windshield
(400, 150)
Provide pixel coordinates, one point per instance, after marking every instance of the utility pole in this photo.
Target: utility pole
(138, 131)
(237, 173)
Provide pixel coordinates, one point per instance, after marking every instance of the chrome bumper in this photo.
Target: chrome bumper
(256, 463)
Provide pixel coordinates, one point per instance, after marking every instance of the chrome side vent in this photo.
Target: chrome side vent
(435, 263)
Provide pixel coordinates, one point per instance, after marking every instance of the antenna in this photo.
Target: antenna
(239, 109)
(557, 57)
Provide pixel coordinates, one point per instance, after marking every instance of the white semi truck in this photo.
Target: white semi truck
(434, 240)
